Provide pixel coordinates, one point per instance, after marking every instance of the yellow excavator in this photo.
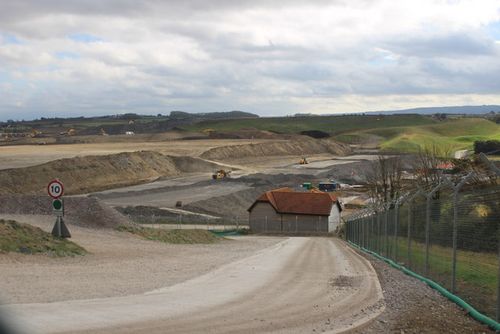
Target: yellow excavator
(303, 161)
(221, 174)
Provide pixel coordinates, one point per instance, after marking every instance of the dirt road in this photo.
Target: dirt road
(296, 286)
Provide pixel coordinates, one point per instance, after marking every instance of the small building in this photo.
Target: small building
(286, 211)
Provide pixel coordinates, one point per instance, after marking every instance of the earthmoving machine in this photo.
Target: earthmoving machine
(303, 161)
(221, 174)
(70, 132)
(35, 133)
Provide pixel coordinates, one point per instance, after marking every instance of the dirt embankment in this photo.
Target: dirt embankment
(304, 146)
(94, 173)
(81, 211)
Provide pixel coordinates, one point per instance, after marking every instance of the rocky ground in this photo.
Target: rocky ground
(414, 307)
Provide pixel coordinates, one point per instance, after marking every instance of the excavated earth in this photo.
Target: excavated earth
(93, 173)
(80, 211)
(298, 147)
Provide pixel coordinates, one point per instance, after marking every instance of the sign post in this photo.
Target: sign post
(55, 190)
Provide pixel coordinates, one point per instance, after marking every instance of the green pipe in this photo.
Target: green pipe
(454, 298)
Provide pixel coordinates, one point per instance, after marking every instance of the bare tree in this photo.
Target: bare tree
(429, 159)
(385, 180)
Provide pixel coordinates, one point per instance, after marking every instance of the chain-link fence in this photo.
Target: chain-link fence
(189, 222)
(448, 233)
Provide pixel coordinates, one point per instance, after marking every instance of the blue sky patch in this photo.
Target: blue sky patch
(493, 29)
(66, 55)
(9, 39)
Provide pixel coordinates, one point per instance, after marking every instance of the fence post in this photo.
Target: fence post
(386, 234)
(378, 232)
(396, 223)
(498, 280)
(455, 230)
(495, 169)
(410, 218)
(364, 231)
(428, 225)
(372, 234)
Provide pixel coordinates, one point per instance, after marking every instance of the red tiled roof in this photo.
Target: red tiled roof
(285, 200)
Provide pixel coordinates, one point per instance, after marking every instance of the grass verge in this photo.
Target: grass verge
(172, 236)
(27, 239)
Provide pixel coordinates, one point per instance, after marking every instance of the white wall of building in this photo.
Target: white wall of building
(334, 218)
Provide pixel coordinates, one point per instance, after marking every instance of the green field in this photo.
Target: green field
(330, 124)
(454, 135)
(401, 133)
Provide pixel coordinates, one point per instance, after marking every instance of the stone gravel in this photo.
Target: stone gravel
(414, 307)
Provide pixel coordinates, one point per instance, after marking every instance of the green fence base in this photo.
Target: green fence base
(226, 233)
(454, 298)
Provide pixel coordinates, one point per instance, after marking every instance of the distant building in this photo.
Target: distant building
(286, 211)
(129, 133)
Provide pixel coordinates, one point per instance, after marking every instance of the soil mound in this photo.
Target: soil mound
(93, 173)
(304, 146)
(81, 211)
(233, 206)
(247, 134)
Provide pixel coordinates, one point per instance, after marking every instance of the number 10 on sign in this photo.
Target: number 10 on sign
(55, 189)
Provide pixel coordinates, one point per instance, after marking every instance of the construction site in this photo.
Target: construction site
(274, 207)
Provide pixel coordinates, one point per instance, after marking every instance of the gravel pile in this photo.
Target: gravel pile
(414, 307)
(80, 211)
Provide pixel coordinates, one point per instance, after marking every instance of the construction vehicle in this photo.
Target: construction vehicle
(221, 174)
(35, 134)
(303, 161)
(70, 132)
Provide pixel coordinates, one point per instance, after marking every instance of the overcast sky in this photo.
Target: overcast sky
(96, 57)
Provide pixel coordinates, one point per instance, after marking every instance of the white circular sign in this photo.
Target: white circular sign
(55, 189)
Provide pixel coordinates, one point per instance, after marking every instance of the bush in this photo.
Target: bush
(487, 146)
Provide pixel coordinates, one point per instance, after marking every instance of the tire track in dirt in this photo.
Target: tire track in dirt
(290, 288)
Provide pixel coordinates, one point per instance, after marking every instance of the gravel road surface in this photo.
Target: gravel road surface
(118, 264)
(298, 285)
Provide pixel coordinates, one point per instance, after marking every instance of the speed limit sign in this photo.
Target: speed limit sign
(55, 188)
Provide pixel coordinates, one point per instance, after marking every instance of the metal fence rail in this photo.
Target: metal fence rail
(449, 234)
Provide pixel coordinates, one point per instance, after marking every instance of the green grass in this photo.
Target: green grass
(172, 236)
(477, 272)
(329, 124)
(401, 133)
(454, 134)
(27, 239)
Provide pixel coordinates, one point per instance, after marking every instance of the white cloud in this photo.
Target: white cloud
(267, 57)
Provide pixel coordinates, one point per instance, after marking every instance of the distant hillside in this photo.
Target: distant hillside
(453, 134)
(212, 115)
(328, 124)
(444, 110)
(111, 125)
